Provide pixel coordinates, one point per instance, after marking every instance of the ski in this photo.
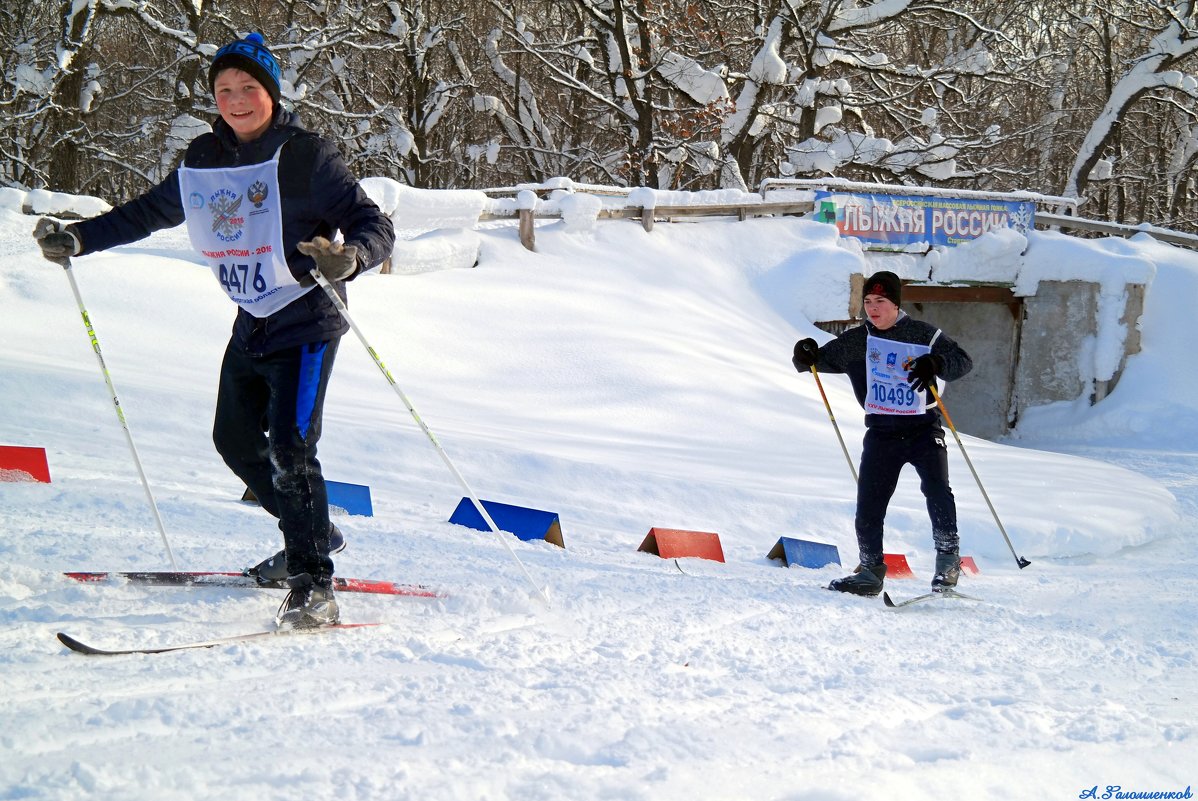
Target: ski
(90, 650)
(239, 581)
(927, 596)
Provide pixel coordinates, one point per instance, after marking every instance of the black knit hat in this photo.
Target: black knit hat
(886, 284)
(249, 55)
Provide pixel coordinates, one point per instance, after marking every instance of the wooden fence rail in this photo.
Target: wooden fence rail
(743, 211)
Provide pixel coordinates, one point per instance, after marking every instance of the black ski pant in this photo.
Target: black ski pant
(883, 456)
(268, 417)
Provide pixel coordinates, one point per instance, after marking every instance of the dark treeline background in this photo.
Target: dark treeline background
(1089, 98)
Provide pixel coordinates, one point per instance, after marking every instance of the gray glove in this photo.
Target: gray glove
(58, 243)
(335, 261)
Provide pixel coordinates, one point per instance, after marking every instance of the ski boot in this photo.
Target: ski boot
(948, 570)
(308, 605)
(863, 581)
(273, 570)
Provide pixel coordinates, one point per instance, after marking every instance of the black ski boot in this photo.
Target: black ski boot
(863, 581)
(948, 570)
(273, 570)
(308, 605)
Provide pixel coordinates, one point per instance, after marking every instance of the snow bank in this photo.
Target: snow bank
(58, 204)
(813, 284)
(431, 225)
(435, 250)
(622, 379)
(425, 209)
(994, 257)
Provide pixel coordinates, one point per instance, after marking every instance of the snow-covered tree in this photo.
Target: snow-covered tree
(377, 78)
(1096, 97)
(1157, 69)
(617, 88)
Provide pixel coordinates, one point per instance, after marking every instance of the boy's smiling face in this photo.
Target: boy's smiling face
(243, 103)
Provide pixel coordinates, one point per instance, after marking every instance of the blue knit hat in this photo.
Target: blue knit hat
(249, 55)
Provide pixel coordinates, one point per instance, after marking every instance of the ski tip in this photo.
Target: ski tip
(75, 645)
(67, 640)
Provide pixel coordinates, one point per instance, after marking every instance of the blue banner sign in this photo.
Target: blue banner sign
(903, 222)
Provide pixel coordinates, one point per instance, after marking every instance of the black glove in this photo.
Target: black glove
(57, 242)
(335, 261)
(923, 371)
(806, 355)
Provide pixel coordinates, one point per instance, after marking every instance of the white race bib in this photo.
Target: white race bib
(887, 363)
(234, 221)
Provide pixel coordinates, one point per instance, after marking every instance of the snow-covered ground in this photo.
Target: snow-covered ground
(624, 380)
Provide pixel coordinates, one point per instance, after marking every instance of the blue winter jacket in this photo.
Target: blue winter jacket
(319, 197)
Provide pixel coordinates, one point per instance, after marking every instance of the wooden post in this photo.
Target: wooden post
(647, 218)
(527, 234)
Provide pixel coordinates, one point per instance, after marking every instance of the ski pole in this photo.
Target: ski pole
(1019, 560)
(341, 307)
(120, 413)
(832, 417)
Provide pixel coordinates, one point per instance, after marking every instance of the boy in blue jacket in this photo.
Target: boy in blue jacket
(262, 199)
(892, 361)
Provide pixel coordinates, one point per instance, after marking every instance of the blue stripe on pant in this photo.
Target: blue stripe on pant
(310, 385)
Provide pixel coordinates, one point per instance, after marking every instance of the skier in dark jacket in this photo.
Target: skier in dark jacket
(892, 361)
(264, 200)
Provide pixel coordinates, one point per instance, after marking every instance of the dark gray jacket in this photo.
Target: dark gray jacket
(847, 354)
